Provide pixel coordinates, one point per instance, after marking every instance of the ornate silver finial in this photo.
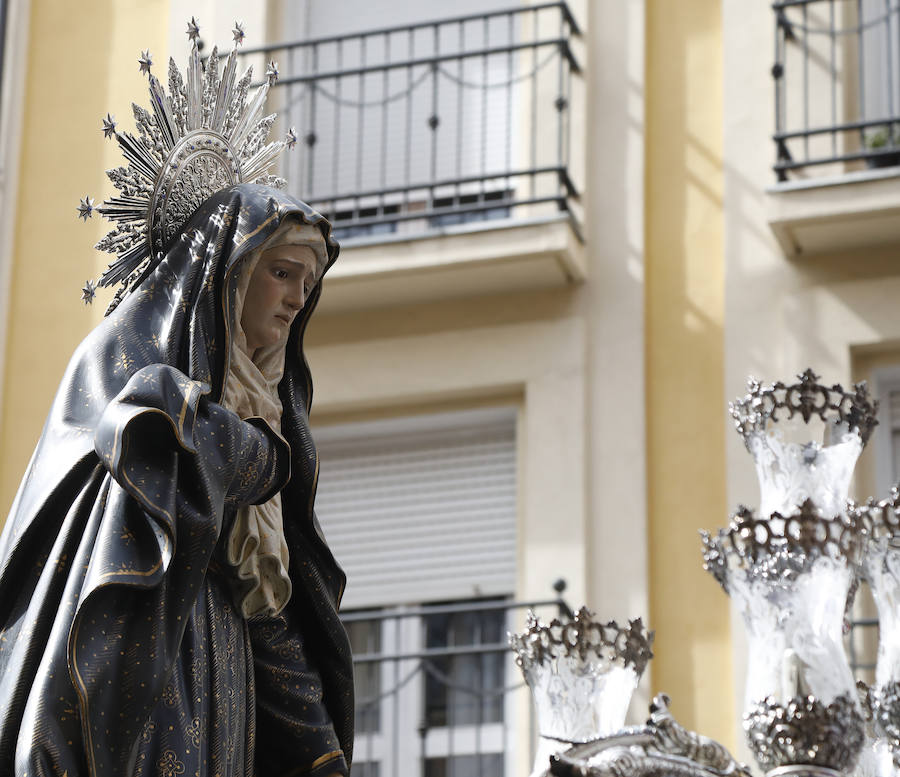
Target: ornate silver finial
(86, 208)
(109, 126)
(88, 292)
(272, 72)
(204, 135)
(806, 398)
(146, 62)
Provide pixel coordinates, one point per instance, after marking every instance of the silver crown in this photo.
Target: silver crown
(205, 135)
(806, 731)
(581, 673)
(806, 398)
(582, 638)
(777, 548)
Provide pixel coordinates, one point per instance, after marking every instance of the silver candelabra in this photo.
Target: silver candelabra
(792, 568)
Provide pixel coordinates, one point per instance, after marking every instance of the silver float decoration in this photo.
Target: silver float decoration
(582, 674)
(792, 568)
(660, 747)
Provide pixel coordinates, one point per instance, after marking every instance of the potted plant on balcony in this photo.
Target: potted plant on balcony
(880, 141)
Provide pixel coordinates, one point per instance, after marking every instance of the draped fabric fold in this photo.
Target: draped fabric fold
(115, 616)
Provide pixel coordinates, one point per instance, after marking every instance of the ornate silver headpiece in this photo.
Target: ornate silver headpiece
(201, 137)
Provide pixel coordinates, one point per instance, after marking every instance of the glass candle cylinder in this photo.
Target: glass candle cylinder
(790, 577)
(582, 675)
(780, 424)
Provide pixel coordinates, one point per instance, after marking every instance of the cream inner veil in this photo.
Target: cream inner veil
(255, 547)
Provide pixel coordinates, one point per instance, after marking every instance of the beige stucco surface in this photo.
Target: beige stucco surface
(70, 86)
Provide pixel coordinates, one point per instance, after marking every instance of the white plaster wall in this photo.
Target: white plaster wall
(541, 361)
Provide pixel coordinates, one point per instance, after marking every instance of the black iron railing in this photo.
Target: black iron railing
(437, 691)
(837, 86)
(412, 129)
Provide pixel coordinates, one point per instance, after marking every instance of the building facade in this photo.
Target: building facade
(570, 231)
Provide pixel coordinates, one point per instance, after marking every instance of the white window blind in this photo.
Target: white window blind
(421, 508)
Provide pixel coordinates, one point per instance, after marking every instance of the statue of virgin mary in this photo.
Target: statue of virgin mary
(168, 604)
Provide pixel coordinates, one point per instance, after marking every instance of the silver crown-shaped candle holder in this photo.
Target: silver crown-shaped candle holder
(790, 576)
(778, 422)
(791, 567)
(582, 675)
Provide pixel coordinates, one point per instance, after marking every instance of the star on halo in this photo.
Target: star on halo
(238, 33)
(109, 126)
(145, 61)
(88, 292)
(272, 72)
(193, 30)
(290, 140)
(86, 208)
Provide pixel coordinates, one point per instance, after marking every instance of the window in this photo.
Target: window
(464, 688)
(421, 508)
(421, 512)
(436, 690)
(886, 439)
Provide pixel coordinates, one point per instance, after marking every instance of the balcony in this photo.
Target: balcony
(442, 152)
(438, 692)
(837, 125)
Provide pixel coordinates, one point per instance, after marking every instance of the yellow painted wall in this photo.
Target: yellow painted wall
(685, 358)
(82, 62)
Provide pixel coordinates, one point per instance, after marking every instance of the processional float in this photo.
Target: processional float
(792, 568)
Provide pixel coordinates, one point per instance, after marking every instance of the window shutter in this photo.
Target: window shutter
(421, 508)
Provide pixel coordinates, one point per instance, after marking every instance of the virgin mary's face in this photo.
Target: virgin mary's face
(279, 287)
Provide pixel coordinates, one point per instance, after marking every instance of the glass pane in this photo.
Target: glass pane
(366, 769)
(484, 765)
(465, 688)
(895, 454)
(365, 639)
